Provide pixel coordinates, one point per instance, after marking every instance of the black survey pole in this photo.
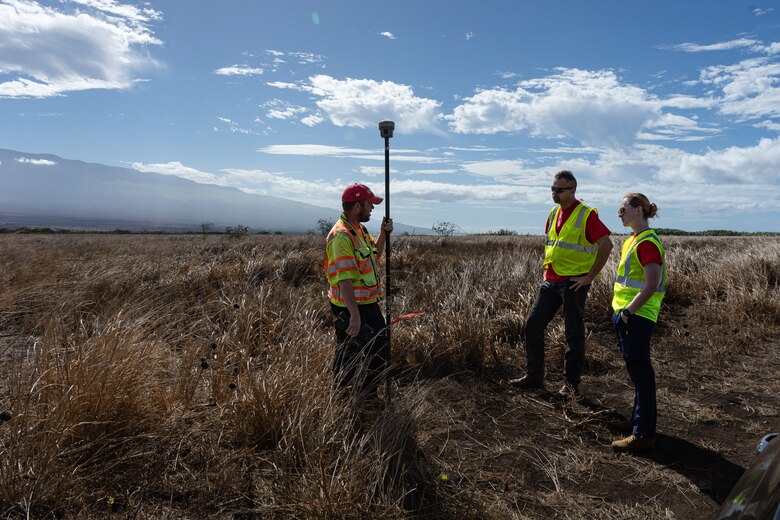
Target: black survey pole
(386, 130)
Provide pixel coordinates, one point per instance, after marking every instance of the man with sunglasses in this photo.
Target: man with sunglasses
(578, 246)
(351, 256)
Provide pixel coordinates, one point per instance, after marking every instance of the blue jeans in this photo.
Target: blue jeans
(550, 298)
(634, 341)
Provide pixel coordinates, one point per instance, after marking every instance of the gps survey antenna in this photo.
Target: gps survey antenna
(386, 131)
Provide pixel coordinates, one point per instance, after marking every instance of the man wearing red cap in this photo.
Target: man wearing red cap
(351, 256)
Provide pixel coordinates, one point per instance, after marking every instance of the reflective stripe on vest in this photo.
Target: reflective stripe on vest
(628, 284)
(346, 263)
(573, 247)
(569, 252)
(639, 283)
(362, 294)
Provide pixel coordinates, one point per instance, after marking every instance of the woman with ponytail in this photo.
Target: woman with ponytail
(639, 289)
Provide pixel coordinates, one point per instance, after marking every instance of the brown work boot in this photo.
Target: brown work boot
(625, 427)
(634, 444)
(526, 383)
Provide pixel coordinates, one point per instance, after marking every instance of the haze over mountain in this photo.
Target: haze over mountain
(46, 190)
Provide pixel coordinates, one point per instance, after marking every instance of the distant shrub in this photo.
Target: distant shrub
(444, 228)
(324, 225)
(500, 232)
(237, 232)
(34, 230)
(713, 233)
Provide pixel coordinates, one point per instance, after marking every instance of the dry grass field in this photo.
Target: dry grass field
(189, 377)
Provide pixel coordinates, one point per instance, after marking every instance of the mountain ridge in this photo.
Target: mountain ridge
(45, 190)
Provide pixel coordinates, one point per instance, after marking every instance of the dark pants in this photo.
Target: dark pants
(361, 364)
(634, 341)
(551, 296)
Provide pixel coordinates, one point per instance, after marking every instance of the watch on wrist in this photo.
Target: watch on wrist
(626, 313)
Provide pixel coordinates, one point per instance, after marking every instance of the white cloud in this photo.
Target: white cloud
(758, 164)
(388, 35)
(497, 169)
(761, 12)
(739, 43)
(492, 111)
(430, 192)
(476, 148)
(726, 179)
(593, 107)
(239, 70)
(312, 120)
(577, 150)
(362, 102)
(469, 36)
(659, 166)
(443, 171)
(286, 85)
(279, 58)
(602, 172)
(688, 102)
(261, 182)
(751, 88)
(373, 171)
(669, 136)
(234, 127)
(177, 169)
(307, 58)
(746, 44)
(48, 51)
(769, 125)
(319, 150)
(125, 11)
(36, 162)
(671, 126)
(279, 109)
(253, 181)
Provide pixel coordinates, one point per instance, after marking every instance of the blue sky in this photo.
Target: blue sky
(679, 100)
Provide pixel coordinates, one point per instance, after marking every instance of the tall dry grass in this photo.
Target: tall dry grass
(176, 376)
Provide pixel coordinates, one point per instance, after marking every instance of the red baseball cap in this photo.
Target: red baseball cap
(358, 192)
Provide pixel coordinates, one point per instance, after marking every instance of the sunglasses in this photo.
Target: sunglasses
(622, 210)
(559, 190)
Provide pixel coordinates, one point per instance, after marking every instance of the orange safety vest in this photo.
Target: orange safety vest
(359, 265)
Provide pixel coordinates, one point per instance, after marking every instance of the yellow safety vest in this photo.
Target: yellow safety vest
(351, 255)
(631, 277)
(569, 251)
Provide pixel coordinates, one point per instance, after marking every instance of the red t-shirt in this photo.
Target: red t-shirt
(648, 253)
(594, 230)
